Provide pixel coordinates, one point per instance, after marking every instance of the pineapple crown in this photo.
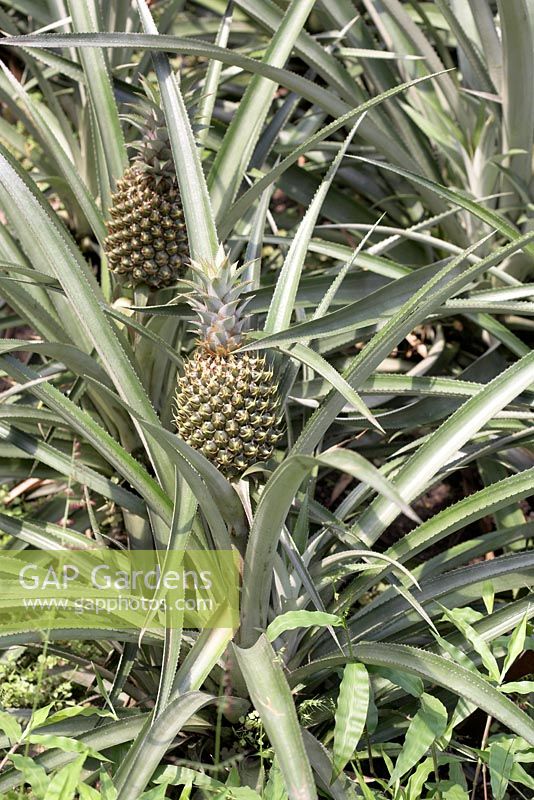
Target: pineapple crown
(154, 153)
(216, 299)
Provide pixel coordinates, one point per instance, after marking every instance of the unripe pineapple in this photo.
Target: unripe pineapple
(227, 403)
(147, 241)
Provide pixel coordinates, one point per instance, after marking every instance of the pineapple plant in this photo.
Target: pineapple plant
(147, 238)
(227, 402)
(102, 470)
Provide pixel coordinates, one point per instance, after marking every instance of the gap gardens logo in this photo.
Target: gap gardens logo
(113, 590)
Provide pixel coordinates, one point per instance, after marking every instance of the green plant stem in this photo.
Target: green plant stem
(436, 770)
(218, 726)
(485, 735)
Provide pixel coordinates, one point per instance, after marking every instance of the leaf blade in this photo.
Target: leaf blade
(351, 714)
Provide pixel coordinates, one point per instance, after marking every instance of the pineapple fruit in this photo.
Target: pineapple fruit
(227, 403)
(147, 239)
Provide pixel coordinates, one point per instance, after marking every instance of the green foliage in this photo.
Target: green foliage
(26, 682)
(371, 166)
